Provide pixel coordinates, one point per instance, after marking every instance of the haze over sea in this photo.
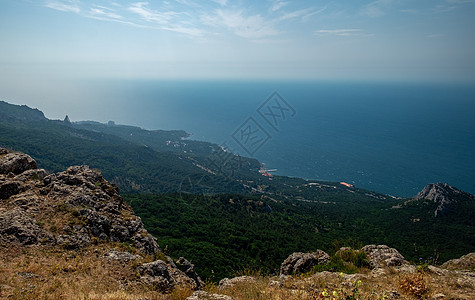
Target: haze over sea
(393, 138)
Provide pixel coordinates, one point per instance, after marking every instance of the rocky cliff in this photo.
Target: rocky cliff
(444, 195)
(78, 211)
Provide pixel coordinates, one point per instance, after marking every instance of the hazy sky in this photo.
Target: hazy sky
(343, 39)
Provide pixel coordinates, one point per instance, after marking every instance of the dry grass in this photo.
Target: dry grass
(390, 284)
(50, 273)
(39, 272)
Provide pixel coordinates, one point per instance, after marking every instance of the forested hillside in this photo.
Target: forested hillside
(217, 209)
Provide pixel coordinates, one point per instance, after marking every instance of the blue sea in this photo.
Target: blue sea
(393, 138)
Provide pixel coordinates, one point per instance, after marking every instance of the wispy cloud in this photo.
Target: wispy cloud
(195, 19)
(302, 13)
(276, 5)
(339, 32)
(165, 20)
(102, 11)
(66, 6)
(250, 27)
(150, 15)
(196, 32)
(450, 5)
(376, 8)
(221, 2)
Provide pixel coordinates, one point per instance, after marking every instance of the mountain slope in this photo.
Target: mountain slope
(228, 232)
(134, 166)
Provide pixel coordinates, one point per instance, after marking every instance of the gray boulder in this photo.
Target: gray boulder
(9, 188)
(157, 275)
(382, 255)
(164, 277)
(33, 174)
(465, 263)
(16, 163)
(121, 256)
(189, 269)
(229, 283)
(99, 205)
(17, 227)
(202, 295)
(300, 262)
(77, 238)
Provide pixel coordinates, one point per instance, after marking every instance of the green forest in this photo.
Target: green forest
(228, 233)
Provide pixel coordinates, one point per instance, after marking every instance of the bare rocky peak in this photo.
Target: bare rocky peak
(443, 194)
(437, 192)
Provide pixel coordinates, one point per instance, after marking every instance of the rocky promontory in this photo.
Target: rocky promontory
(443, 195)
(78, 212)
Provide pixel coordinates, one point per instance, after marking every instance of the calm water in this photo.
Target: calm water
(392, 138)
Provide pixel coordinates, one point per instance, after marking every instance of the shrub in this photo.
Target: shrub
(414, 285)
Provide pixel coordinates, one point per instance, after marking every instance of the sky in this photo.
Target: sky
(219, 39)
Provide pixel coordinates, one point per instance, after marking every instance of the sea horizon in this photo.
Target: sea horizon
(390, 137)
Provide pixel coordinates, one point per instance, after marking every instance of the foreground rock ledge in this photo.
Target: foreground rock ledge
(75, 209)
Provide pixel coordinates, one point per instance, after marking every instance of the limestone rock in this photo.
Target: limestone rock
(28, 201)
(98, 203)
(79, 237)
(228, 283)
(121, 256)
(17, 227)
(438, 271)
(201, 295)
(164, 277)
(382, 255)
(157, 275)
(189, 269)
(79, 207)
(16, 163)
(466, 262)
(300, 262)
(9, 188)
(33, 174)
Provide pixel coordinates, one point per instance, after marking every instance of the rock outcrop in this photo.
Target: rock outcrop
(99, 208)
(15, 163)
(228, 283)
(444, 195)
(201, 295)
(300, 262)
(464, 263)
(383, 256)
(165, 277)
(17, 227)
(78, 208)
